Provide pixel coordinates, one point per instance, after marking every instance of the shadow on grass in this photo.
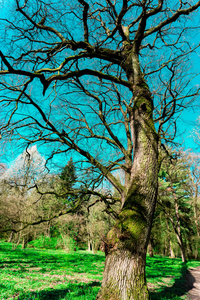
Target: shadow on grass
(180, 287)
(87, 291)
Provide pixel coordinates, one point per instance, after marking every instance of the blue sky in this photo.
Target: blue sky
(185, 124)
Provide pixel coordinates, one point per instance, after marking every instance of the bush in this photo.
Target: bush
(60, 242)
(44, 242)
(69, 243)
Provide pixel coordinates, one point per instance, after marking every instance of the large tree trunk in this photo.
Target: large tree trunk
(124, 276)
(126, 245)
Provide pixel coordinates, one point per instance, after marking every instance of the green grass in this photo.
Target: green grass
(166, 277)
(54, 274)
(49, 274)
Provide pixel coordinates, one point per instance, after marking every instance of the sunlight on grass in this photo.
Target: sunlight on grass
(54, 274)
(49, 274)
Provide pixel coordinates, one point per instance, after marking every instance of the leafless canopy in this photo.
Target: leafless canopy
(71, 72)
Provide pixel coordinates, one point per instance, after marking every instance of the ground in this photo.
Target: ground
(193, 281)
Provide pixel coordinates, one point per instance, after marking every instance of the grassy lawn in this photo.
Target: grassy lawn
(166, 277)
(54, 274)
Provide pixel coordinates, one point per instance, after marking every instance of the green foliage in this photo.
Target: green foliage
(98, 224)
(40, 275)
(68, 175)
(68, 179)
(59, 242)
(69, 243)
(174, 219)
(44, 242)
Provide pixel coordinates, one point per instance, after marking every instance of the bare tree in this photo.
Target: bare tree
(16, 184)
(93, 78)
(194, 160)
(174, 192)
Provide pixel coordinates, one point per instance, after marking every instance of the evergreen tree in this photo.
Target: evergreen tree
(68, 179)
(68, 175)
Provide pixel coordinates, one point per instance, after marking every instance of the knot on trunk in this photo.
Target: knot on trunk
(143, 107)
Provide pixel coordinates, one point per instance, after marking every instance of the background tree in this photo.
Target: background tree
(174, 228)
(16, 184)
(175, 196)
(98, 225)
(194, 189)
(103, 91)
(68, 179)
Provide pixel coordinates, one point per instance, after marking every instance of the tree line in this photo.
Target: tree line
(176, 225)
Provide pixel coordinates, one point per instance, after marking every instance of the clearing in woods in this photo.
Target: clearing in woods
(54, 274)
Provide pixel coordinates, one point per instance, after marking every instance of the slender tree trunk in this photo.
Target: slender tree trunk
(48, 229)
(150, 248)
(11, 237)
(17, 241)
(196, 213)
(177, 224)
(179, 239)
(182, 247)
(171, 252)
(24, 243)
(89, 245)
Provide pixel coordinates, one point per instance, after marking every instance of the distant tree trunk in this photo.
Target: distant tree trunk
(182, 248)
(24, 243)
(179, 239)
(89, 245)
(150, 247)
(177, 224)
(17, 241)
(94, 247)
(196, 212)
(11, 237)
(179, 234)
(26, 239)
(171, 252)
(48, 229)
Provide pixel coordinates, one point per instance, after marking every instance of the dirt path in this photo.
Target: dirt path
(193, 280)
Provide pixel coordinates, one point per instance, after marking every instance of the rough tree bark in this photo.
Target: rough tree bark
(126, 245)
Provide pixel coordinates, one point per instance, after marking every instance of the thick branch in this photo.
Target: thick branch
(80, 73)
(85, 15)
